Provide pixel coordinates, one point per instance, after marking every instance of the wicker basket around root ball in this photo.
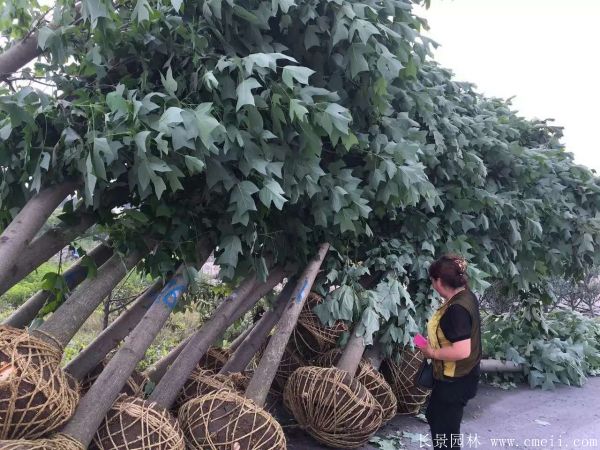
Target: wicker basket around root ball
(36, 396)
(202, 382)
(332, 406)
(133, 423)
(219, 420)
(369, 378)
(400, 376)
(133, 387)
(310, 337)
(56, 442)
(214, 359)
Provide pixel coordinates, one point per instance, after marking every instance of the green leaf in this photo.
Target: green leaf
(44, 35)
(244, 92)
(232, 248)
(241, 196)
(298, 73)
(194, 164)
(169, 82)
(297, 110)
(340, 117)
(176, 4)
(92, 10)
(141, 12)
(358, 62)
(272, 192)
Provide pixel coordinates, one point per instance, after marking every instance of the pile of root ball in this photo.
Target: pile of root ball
(338, 409)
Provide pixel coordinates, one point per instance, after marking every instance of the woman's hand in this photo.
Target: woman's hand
(428, 352)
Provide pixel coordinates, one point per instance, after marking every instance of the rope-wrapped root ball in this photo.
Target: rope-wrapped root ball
(332, 406)
(133, 387)
(56, 442)
(219, 420)
(202, 382)
(133, 423)
(214, 359)
(36, 397)
(369, 378)
(400, 376)
(310, 337)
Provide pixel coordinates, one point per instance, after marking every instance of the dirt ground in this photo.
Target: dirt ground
(566, 418)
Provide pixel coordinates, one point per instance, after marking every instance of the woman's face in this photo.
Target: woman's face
(437, 285)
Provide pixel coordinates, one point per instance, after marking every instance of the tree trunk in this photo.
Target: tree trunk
(19, 55)
(493, 365)
(69, 317)
(374, 355)
(73, 276)
(95, 404)
(264, 374)
(43, 248)
(110, 338)
(352, 354)
(240, 338)
(106, 311)
(23, 228)
(228, 312)
(156, 371)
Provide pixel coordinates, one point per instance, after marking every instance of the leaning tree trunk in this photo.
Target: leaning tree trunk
(264, 374)
(258, 334)
(352, 354)
(73, 276)
(70, 316)
(96, 403)
(110, 338)
(23, 228)
(157, 370)
(229, 311)
(19, 55)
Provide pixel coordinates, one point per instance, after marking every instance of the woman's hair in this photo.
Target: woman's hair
(451, 269)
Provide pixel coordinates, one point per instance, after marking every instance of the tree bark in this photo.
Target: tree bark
(352, 354)
(494, 365)
(374, 355)
(110, 338)
(264, 374)
(95, 404)
(23, 228)
(257, 335)
(69, 317)
(73, 276)
(240, 338)
(19, 55)
(228, 312)
(43, 248)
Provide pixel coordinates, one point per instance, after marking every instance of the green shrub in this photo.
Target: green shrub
(28, 286)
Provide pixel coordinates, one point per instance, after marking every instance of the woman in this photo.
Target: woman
(454, 346)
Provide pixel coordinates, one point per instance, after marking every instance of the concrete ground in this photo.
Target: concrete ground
(565, 418)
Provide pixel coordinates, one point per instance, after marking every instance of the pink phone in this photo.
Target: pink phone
(420, 341)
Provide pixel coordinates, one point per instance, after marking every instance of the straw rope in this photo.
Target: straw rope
(214, 359)
(56, 442)
(369, 378)
(310, 336)
(332, 406)
(134, 424)
(36, 397)
(202, 382)
(400, 376)
(219, 420)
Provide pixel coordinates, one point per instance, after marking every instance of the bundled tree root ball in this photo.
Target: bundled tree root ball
(369, 378)
(400, 376)
(202, 382)
(332, 406)
(133, 387)
(36, 396)
(214, 359)
(290, 362)
(56, 442)
(218, 420)
(311, 338)
(133, 423)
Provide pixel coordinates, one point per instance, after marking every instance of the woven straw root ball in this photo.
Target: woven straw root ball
(369, 378)
(332, 406)
(36, 397)
(310, 337)
(56, 442)
(400, 376)
(214, 359)
(219, 420)
(133, 387)
(202, 382)
(133, 423)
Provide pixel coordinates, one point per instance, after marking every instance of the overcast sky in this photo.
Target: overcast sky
(544, 52)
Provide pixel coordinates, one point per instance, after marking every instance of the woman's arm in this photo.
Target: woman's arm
(455, 352)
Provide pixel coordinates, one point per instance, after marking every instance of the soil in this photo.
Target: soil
(565, 418)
